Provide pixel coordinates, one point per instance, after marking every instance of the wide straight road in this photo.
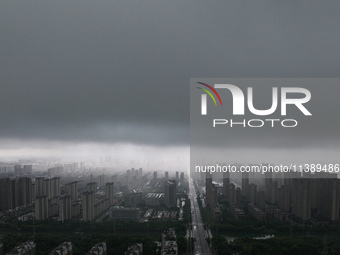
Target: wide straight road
(201, 245)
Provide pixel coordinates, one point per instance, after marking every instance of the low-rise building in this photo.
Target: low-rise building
(135, 249)
(27, 248)
(134, 199)
(237, 212)
(277, 213)
(169, 242)
(123, 213)
(64, 249)
(154, 199)
(258, 214)
(98, 249)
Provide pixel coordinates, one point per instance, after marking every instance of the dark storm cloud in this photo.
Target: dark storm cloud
(119, 70)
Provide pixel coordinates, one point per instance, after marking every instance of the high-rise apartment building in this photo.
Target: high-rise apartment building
(182, 178)
(170, 193)
(24, 191)
(88, 205)
(55, 187)
(226, 181)
(41, 208)
(109, 192)
(39, 186)
(328, 198)
(245, 184)
(7, 191)
(72, 190)
(14, 193)
(252, 194)
(301, 198)
(208, 187)
(65, 212)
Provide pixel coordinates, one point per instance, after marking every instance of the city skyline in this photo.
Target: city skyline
(108, 108)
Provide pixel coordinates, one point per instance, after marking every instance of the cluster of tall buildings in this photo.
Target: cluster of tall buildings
(25, 167)
(4, 169)
(92, 209)
(15, 193)
(179, 178)
(50, 202)
(313, 196)
(89, 196)
(131, 180)
(20, 170)
(55, 171)
(47, 187)
(47, 194)
(48, 199)
(21, 192)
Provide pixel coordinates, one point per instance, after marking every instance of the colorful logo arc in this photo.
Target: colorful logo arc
(208, 92)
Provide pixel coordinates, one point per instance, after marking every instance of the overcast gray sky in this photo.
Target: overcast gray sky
(119, 71)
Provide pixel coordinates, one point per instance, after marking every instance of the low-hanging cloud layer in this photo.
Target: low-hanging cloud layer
(119, 71)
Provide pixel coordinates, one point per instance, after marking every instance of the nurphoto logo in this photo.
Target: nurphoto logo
(238, 105)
